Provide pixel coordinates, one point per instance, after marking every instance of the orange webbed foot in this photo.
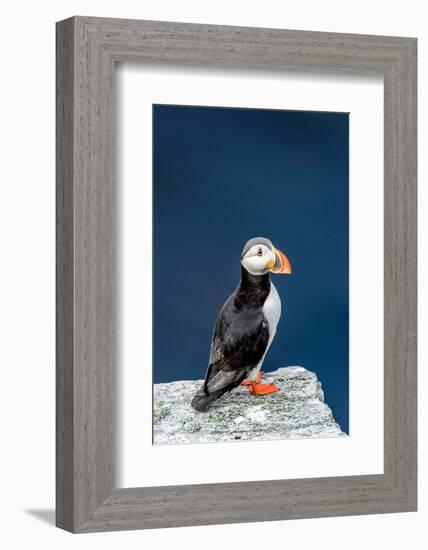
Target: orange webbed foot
(263, 389)
(258, 388)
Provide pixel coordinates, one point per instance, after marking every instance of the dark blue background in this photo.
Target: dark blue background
(222, 176)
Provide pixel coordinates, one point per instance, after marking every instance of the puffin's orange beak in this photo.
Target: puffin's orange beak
(282, 263)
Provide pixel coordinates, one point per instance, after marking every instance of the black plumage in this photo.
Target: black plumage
(239, 341)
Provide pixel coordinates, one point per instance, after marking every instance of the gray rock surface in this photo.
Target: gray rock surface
(297, 411)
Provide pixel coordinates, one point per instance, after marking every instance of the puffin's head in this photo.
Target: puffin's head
(259, 256)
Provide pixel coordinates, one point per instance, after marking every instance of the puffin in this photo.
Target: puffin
(245, 326)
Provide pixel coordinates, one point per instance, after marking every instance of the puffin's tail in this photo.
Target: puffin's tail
(217, 382)
(202, 400)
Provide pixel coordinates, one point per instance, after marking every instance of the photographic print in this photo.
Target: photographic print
(251, 274)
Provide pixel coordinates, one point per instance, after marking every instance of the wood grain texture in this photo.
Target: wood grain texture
(64, 276)
(87, 50)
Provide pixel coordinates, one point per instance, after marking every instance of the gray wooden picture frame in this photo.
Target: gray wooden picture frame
(87, 50)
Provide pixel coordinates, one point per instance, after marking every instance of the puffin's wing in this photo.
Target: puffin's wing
(240, 337)
(226, 379)
(235, 351)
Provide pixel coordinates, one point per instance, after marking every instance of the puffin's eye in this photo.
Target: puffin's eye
(259, 252)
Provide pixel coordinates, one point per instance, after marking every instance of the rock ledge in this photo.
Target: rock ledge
(297, 411)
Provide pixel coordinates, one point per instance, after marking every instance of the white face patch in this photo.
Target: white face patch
(256, 259)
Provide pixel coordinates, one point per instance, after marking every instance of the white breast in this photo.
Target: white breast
(272, 312)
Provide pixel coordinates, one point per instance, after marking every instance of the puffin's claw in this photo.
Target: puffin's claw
(263, 389)
(260, 389)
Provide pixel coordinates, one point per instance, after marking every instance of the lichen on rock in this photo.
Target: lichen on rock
(298, 410)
